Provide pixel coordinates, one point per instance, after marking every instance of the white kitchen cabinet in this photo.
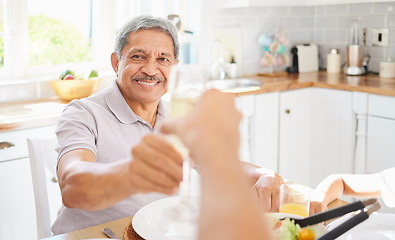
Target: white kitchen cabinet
(380, 133)
(278, 3)
(316, 134)
(380, 150)
(17, 207)
(332, 134)
(17, 218)
(380, 144)
(295, 135)
(258, 3)
(265, 130)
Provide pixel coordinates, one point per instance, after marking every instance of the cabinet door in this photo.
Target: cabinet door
(260, 3)
(18, 139)
(380, 153)
(332, 135)
(265, 130)
(17, 218)
(17, 206)
(380, 144)
(295, 135)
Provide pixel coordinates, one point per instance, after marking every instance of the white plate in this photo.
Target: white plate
(147, 222)
(379, 226)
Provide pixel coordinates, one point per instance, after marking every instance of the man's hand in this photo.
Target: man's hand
(267, 190)
(156, 166)
(317, 207)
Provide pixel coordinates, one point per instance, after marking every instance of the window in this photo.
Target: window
(2, 34)
(60, 32)
(42, 38)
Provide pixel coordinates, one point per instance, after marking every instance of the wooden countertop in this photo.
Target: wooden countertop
(30, 114)
(371, 83)
(14, 116)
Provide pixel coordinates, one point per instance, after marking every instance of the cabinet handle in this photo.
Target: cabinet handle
(287, 111)
(4, 145)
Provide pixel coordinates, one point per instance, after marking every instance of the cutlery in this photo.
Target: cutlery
(110, 233)
(350, 223)
(333, 213)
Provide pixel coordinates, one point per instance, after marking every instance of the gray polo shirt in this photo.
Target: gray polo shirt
(104, 124)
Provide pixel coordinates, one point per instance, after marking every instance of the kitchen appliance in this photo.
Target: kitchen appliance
(305, 58)
(387, 69)
(333, 61)
(356, 60)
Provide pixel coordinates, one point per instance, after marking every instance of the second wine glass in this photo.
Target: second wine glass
(186, 84)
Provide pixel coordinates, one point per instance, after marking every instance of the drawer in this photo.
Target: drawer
(381, 106)
(18, 139)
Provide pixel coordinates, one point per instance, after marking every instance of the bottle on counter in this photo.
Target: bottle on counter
(333, 61)
(232, 68)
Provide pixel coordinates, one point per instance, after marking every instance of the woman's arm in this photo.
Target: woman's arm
(357, 185)
(211, 132)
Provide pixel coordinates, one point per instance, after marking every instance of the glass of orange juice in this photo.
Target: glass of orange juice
(295, 199)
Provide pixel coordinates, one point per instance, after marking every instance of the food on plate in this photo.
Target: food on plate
(286, 229)
(306, 234)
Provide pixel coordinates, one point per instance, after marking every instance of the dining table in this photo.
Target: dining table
(123, 228)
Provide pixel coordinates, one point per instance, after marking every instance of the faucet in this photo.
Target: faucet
(218, 67)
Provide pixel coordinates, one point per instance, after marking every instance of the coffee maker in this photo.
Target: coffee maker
(356, 60)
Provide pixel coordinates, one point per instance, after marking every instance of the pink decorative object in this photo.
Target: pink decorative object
(273, 45)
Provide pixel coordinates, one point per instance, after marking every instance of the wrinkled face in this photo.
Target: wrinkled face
(144, 67)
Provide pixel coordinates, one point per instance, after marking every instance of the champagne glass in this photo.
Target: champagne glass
(186, 84)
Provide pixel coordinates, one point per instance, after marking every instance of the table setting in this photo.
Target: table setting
(370, 224)
(176, 218)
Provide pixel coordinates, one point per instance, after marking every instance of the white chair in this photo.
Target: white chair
(47, 195)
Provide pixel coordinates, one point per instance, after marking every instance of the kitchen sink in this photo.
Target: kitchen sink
(233, 84)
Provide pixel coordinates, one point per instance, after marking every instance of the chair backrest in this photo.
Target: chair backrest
(47, 195)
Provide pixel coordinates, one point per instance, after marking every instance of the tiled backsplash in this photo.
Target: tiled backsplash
(327, 26)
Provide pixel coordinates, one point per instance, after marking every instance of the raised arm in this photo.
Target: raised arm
(357, 185)
(228, 210)
(89, 185)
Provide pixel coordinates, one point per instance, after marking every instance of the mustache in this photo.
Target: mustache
(146, 77)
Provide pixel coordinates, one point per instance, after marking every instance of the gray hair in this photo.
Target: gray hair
(146, 23)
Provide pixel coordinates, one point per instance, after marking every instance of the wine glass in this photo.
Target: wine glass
(186, 84)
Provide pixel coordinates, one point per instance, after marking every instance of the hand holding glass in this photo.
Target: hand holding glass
(295, 199)
(186, 84)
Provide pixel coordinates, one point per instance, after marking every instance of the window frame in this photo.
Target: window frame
(16, 43)
(109, 16)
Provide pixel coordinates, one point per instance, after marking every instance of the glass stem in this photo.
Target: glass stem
(186, 178)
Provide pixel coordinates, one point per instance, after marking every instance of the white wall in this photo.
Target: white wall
(327, 26)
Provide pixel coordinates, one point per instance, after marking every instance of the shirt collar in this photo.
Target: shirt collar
(119, 107)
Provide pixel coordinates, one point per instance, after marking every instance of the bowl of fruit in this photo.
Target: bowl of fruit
(70, 86)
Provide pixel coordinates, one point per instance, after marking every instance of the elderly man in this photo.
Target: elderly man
(111, 162)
